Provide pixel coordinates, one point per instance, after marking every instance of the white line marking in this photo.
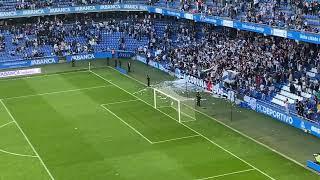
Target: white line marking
(7, 152)
(6, 124)
(175, 139)
(188, 128)
(142, 90)
(34, 150)
(42, 75)
(17, 154)
(119, 102)
(55, 92)
(133, 100)
(235, 130)
(226, 174)
(126, 123)
(193, 119)
(252, 139)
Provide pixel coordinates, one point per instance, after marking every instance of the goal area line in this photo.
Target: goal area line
(137, 131)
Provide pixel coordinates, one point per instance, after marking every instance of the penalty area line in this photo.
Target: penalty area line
(175, 139)
(227, 174)
(127, 124)
(25, 136)
(120, 102)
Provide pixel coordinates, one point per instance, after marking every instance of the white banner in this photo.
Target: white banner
(22, 72)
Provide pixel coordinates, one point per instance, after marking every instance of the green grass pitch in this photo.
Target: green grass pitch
(93, 125)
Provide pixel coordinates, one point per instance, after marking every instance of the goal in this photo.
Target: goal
(174, 105)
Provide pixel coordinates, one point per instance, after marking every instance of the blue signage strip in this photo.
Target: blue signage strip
(91, 56)
(218, 21)
(314, 166)
(100, 55)
(27, 63)
(124, 54)
(291, 119)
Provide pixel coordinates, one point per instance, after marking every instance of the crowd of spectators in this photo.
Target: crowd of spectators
(263, 64)
(283, 13)
(34, 4)
(67, 35)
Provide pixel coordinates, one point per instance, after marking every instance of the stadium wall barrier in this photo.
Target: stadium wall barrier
(256, 105)
(218, 21)
(55, 59)
(283, 116)
(28, 63)
(314, 166)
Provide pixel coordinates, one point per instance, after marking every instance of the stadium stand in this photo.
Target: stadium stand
(273, 69)
(295, 14)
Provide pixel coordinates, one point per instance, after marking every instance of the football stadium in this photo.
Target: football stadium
(159, 89)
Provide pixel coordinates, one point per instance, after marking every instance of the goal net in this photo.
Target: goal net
(181, 108)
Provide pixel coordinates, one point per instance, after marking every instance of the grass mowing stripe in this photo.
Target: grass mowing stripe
(126, 123)
(233, 129)
(189, 128)
(56, 92)
(227, 174)
(34, 150)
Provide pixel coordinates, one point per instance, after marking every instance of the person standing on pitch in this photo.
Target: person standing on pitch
(129, 66)
(148, 79)
(73, 63)
(198, 97)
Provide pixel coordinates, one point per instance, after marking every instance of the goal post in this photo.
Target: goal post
(174, 105)
(164, 101)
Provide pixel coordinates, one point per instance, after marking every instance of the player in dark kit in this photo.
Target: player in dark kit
(129, 66)
(73, 63)
(198, 97)
(148, 79)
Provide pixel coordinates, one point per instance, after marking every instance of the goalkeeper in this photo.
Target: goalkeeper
(317, 158)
